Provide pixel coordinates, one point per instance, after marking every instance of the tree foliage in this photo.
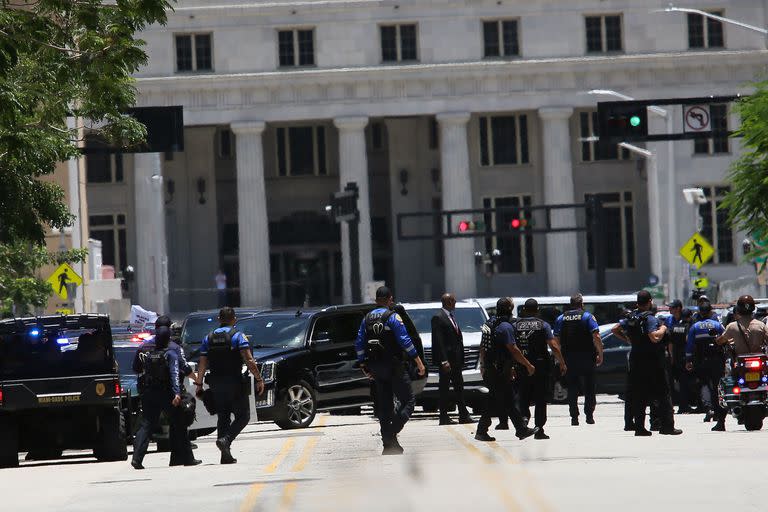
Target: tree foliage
(747, 202)
(59, 59)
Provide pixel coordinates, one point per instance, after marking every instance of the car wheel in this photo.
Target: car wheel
(296, 406)
(559, 392)
(9, 447)
(111, 442)
(753, 418)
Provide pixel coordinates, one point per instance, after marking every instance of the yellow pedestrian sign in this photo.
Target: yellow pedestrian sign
(61, 277)
(701, 283)
(697, 250)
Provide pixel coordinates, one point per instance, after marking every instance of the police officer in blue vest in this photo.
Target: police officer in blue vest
(381, 343)
(678, 323)
(707, 359)
(648, 381)
(578, 336)
(225, 351)
(159, 385)
(534, 339)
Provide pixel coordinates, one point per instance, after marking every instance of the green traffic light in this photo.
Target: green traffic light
(634, 121)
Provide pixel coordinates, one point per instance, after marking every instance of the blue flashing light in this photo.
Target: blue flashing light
(765, 379)
(34, 332)
(210, 319)
(741, 381)
(62, 341)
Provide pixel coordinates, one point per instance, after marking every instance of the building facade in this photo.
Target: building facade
(426, 105)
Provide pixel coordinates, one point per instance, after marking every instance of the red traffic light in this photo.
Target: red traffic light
(463, 226)
(515, 224)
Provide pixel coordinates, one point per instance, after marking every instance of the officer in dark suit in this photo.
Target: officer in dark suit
(448, 353)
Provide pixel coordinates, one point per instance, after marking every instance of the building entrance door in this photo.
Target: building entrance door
(307, 276)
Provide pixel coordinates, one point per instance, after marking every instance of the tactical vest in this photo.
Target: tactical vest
(636, 328)
(530, 336)
(678, 336)
(496, 355)
(224, 359)
(156, 372)
(575, 336)
(380, 342)
(707, 353)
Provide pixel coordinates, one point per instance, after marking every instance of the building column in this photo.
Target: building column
(152, 257)
(562, 248)
(252, 220)
(460, 273)
(353, 166)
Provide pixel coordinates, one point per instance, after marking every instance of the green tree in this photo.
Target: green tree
(58, 59)
(747, 202)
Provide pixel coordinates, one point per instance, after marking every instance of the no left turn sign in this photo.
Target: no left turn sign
(696, 119)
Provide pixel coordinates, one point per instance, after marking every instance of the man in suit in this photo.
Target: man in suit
(448, 355)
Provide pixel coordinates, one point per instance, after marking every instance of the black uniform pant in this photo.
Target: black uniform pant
(710, 382)
(392, 382)
(581, 375)
(453, 376)
(184, 453)
(534, 389)
(501, 401)
(231, 401)
(648, 384)
(153, 404)
(685, 386)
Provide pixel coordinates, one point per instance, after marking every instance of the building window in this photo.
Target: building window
(434, 134)
(101, 166)
(111, 231)
(296, 47)
(377, 136)
(194, 52)
(500, 39)
(603, 34)
(301, 151)
(705, 32)
(504, 140)
(719, 142)
(588, 138)
(399, 43)
(516, 250)
(225, 143)
(618, 234)
(715, 225)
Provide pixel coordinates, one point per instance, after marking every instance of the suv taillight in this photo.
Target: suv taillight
(1, 396)
(118, 388)
(753, 364)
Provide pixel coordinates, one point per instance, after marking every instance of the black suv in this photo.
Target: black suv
(59, 388)
(308, 362)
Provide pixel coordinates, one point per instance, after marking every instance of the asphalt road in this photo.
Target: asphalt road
(336, 465)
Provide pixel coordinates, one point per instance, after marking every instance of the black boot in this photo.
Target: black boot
(526, 432)
(223, 445)
(484, 437)
(540, 434)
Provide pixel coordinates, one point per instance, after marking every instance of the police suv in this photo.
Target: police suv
(59, 388)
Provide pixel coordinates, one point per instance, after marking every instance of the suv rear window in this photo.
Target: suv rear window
(274, 330)
(469, 319)
(38, 352)
(196, 328)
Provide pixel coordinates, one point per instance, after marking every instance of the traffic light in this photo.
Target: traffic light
(464, 226)
(468, 226)
(621, 121)
(518, 223)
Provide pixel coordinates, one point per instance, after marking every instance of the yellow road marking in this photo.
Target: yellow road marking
(255, 491)
(489, 476)
(290, 488)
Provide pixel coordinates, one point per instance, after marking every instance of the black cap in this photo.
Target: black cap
(643, 297)
(677, 303)
(686, 314)
(703, 298)
(531, 305)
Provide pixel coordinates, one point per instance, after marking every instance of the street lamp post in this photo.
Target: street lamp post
(706, 14)
(653, 199)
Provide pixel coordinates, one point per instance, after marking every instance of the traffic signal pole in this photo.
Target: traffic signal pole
(344, 208)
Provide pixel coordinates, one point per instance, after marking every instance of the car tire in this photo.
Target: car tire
(559, 392)
(296, 406)
(111, 442)
(9, 447)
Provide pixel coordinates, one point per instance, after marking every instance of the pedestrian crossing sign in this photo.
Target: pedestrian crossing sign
(61, 277)
(697, 251)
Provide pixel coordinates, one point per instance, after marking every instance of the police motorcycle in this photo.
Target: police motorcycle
(744, 393)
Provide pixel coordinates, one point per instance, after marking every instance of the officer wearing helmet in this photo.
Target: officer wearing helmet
(747, 335)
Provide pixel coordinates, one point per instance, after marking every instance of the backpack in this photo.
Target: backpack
(492, 357)
(380, 343)
(156, 373)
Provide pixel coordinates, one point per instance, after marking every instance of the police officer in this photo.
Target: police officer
(648, 377)
(381, 341)
(707, 359)
(181, 447)
(533, 335)
(745, 333)
(578, 335)
(498, 349)
(678, 324)
(705, 310)
(224, 351)
(160, 392)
